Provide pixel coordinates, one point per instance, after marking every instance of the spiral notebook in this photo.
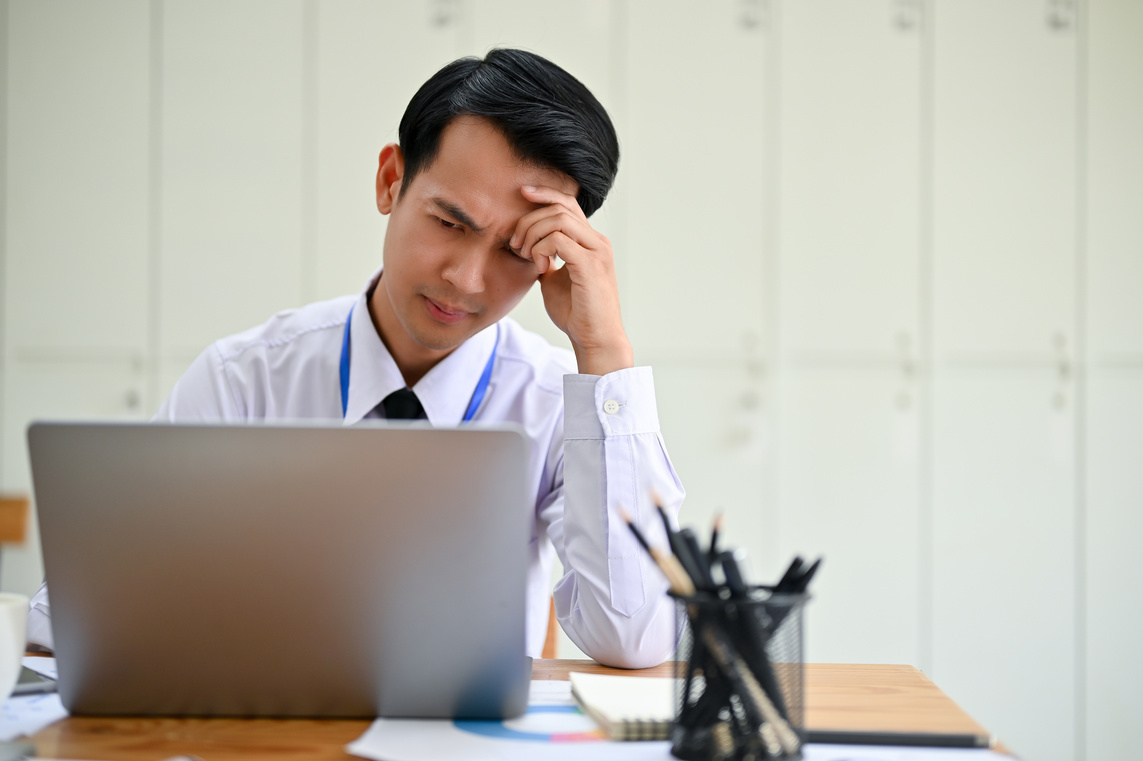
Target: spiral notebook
(627, 708)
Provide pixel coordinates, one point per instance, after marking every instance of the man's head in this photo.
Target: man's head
(472, 139)
(547, 116)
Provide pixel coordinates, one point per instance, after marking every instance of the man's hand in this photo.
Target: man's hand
(582, 297)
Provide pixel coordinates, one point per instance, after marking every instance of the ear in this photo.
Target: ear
(390, 171)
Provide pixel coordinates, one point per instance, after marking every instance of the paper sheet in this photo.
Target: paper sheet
(553, 728)
(27, 714)
(44, 666)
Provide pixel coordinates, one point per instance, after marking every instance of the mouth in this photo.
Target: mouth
(445, 313)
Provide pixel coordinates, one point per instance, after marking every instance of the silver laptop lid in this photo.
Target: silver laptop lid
(277, 570)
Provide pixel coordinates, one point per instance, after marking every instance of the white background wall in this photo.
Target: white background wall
(885, 256)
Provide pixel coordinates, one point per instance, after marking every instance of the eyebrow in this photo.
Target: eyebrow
(457, 213)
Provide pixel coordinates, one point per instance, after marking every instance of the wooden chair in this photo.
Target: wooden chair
(13, 519)
(549, 650)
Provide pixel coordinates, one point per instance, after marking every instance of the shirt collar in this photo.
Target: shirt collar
(445, 391)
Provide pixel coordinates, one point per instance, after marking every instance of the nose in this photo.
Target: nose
(465, 271)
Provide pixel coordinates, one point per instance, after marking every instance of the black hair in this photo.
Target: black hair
(547, 115)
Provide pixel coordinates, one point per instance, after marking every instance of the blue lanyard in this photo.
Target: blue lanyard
(477, 395)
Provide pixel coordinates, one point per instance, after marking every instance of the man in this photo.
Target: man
(501, 161)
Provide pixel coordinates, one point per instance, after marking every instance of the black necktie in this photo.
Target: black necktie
(403, 405)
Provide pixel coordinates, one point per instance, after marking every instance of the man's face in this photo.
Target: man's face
(449, 272)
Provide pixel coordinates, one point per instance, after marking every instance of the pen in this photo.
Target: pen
(914, 739)
(790, 575)
(753, 649)
(804, 580)
(691, 547)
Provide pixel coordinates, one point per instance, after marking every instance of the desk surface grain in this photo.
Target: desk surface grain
(838, 696)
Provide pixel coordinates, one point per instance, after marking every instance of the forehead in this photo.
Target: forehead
(476, 168)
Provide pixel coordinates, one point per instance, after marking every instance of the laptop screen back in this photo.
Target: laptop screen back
(285, 570)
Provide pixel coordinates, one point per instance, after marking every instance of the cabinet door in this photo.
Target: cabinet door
(1004, 177)
(77, 259)
(231, 167)
(1004, 556)
(849, 110)
(583, 39)
(56, 390)
(695, 179)
(371, 58)
(1115, 179)
(1114, 576)
(715, 422)
(849, 491)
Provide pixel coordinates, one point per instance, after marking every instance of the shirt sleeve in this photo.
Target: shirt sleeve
(203, 393)
(611, 599)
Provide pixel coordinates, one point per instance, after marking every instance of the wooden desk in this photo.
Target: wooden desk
(838, 696)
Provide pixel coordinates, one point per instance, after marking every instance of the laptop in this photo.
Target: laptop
(285, 570)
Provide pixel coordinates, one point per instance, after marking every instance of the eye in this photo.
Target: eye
(449, 225)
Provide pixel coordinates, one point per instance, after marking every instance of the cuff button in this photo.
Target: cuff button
(611, 406)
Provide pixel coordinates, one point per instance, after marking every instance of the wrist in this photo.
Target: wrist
(604, 360)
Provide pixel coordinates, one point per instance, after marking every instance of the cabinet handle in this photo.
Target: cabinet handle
(905, 15)
(443, 13)
(752, 14)
(1061, 15)
(1063, 370)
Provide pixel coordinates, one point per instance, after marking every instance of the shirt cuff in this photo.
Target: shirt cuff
(617, 404)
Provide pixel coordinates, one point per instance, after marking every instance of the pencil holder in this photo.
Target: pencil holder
(741, 677)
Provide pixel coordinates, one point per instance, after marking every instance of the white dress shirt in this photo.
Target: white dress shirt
(594, 447)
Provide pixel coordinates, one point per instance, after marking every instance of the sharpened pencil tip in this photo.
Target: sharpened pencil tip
(626, 516)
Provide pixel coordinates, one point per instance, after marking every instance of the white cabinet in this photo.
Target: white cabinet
(371, 58)
(59, 390)
(1004, 556)
(849, 267)
(849, 489)
(1004, 188)
(1114, 573)
(1114, 277)
(716, 424)
(1114, 179)
(77, 179)
(695, 180)
(849, 113)
(231, 168)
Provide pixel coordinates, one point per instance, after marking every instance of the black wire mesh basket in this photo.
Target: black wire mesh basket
(741, 677)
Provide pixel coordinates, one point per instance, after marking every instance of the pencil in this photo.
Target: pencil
(662, 513)
(680, 582)
(712, 553)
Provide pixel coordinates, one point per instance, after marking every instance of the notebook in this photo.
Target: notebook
(285, 570)
(628, 708)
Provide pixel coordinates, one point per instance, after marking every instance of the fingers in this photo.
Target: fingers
(561, 215)
(558, 222)
(557, 244)
(549, 196)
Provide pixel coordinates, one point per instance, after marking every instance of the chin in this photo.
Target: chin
(442, 339)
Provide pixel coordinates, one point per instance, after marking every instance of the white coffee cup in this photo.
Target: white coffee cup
(13, 639)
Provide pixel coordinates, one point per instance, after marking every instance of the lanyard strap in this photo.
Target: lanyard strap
(477, 395)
